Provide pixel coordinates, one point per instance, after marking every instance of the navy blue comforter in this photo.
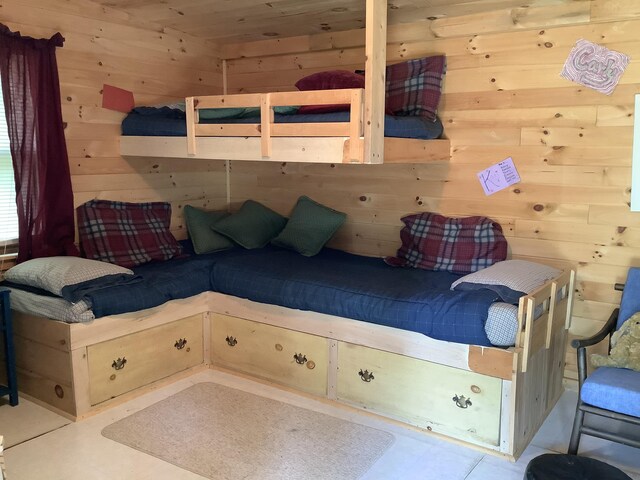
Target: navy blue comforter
(332, 282)
(148, 121)
(362, 288)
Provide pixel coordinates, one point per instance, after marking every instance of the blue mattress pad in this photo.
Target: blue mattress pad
(168, 122)
(332, 282)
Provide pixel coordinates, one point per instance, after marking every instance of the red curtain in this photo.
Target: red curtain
(31, 93)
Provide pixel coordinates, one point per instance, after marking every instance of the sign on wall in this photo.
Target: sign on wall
(595, 66)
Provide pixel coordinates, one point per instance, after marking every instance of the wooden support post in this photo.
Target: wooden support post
(266, 119)
(374, 94)
(355, 128)
(191, 125)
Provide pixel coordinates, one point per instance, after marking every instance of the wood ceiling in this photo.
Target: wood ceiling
(235, 21)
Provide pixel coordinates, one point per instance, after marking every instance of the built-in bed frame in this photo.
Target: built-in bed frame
(491, 398)
(360, 140)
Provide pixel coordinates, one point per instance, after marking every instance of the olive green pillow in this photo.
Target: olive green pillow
(311, 226)
(253, 226)
(199, 224)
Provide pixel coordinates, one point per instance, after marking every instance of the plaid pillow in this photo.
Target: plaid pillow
(457, 245)
(414, 87)
(127, 234)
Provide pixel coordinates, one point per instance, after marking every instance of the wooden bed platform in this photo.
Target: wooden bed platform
(489, 398)
(360, 140)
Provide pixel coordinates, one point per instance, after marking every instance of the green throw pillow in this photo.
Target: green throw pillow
(199, 224)
(311, 226)
(253, 226)
(241, 112)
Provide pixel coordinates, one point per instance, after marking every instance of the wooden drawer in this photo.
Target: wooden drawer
(268, 352)
(421, 393)
(150, 355)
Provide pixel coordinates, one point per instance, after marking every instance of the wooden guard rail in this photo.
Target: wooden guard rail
(536, 333)
(266, 129)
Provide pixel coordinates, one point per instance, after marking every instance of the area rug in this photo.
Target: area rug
(223, 433)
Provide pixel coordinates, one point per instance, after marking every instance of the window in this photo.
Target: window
(8, 209)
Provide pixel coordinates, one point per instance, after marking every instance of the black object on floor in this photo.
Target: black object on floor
(571, 467)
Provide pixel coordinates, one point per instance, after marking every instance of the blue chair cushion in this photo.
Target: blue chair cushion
(630, 302)
(615, 389)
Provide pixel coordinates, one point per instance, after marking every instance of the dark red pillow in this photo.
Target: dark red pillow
(458, 245)
(413, 88)
(127, 234)
(329, 80)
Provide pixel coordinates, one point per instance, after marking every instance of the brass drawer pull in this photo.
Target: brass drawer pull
(231, 341)
(300, 358)
(366, 376)
(180, 344)
(119, 363)
(462, 401)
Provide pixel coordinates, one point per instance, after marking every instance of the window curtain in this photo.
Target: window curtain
(31, 93)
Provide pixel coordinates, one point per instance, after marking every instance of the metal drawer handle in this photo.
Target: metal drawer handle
(462, 401)
(300, 358)
(119, 363)
(366, 376)
(180, 344)
(231, 341)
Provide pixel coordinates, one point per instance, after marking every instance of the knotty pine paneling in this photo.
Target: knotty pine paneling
(503, 96)
(159, 65)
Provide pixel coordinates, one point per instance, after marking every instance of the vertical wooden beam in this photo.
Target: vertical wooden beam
(266, 119)
(191, 125)
(355, 128)
(376, 55)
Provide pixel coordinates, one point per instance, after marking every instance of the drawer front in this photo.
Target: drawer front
(421, 393)
(268, 352)
(150, 355)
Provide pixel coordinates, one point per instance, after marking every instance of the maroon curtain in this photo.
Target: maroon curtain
(31, 93)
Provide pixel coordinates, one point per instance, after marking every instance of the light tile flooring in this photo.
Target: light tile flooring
(45, 446)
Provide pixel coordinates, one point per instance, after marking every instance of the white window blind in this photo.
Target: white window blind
(8, 209)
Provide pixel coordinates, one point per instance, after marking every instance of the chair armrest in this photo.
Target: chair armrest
(608, 329)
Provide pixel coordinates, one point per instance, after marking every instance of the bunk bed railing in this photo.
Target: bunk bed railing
(352, 130)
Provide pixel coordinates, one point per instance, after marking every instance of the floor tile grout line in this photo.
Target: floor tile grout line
(474, 467)
(37, 436)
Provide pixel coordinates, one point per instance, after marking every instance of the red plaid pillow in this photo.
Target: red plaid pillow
(457, 245)
(127, 234)
(414, 87)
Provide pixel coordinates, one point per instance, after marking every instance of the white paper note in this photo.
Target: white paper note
(499, 176)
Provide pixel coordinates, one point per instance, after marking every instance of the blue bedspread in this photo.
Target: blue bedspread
(332, 282)
(148, 121)
(362, 288)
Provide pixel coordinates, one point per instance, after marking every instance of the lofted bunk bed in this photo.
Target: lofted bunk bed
(357, 138)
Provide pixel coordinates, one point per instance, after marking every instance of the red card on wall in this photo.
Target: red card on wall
(115, 98)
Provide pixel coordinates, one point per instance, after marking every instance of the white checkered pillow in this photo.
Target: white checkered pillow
(502, 324)
(54, 273)
(510, 279)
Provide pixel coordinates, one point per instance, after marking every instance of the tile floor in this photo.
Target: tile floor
(44, 446)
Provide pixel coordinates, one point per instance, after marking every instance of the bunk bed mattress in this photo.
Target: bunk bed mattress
(149, 122)
(333, 282)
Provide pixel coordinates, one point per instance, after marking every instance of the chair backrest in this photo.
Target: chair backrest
(630, 303)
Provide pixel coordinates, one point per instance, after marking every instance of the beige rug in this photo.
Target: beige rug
(224, 433)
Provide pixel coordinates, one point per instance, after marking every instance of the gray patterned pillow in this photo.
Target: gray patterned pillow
(54, 273)
(510, 279)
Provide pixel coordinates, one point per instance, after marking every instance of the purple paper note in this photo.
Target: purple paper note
(595, 66)
(498, 176)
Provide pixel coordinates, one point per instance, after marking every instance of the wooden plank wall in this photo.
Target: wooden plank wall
(503, 97)
(159, 65)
